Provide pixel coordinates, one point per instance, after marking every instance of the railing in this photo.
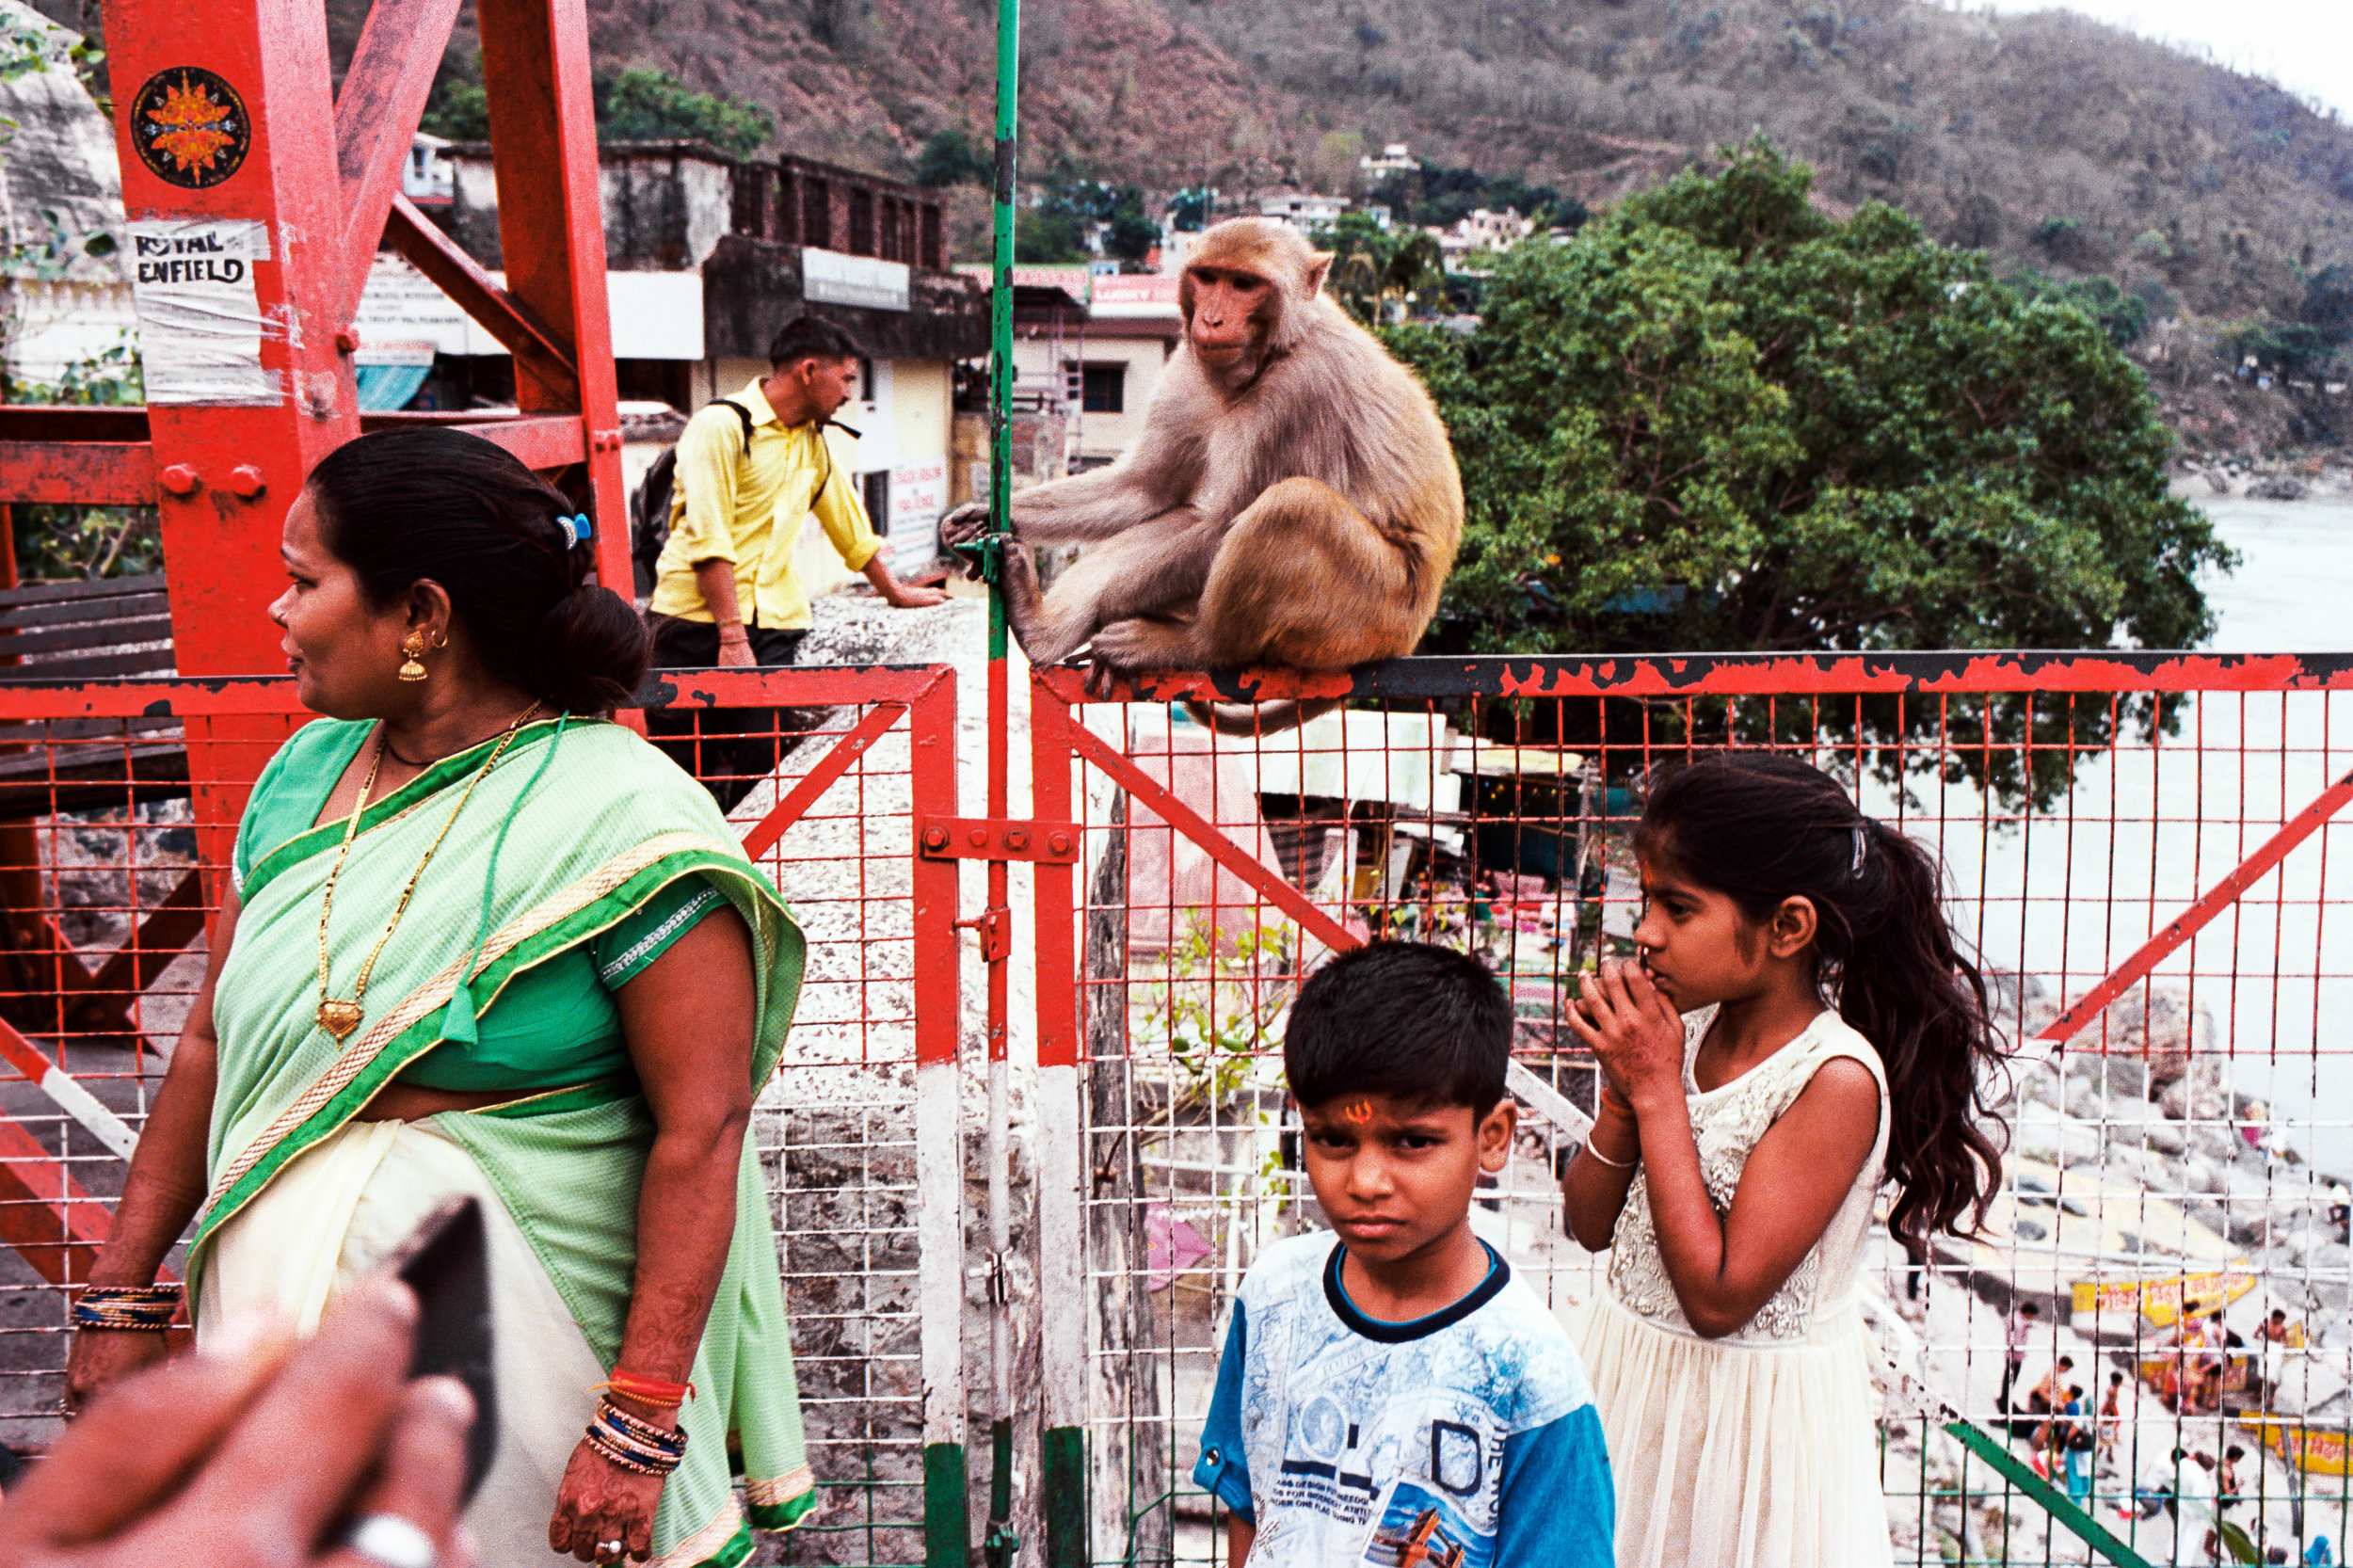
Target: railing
(2139, 848)
(118, 806)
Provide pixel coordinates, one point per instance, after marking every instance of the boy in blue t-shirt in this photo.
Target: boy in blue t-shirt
(1390, 1396)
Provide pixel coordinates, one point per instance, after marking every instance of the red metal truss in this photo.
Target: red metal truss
(320, 173)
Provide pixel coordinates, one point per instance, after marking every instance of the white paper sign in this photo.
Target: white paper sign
(919, 494)
(200, 322)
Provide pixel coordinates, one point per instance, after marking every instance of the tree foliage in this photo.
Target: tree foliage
(636, 103)
(1057, 227)
(641, 103)
(950, 158)
(1374, 269)
(1718, 419)
(2124, 317)
(2328, 306)
(1435, 196)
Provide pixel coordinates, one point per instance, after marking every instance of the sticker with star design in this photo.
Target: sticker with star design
(190, 127)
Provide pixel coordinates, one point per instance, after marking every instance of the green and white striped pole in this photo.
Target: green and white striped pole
(1000, 1545)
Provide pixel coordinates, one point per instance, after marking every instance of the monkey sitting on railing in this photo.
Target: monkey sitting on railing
(1293, 498)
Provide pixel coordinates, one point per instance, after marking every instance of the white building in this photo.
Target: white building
(1481, 230)
(1304, 212)
(1394, 159)
(1104, 359)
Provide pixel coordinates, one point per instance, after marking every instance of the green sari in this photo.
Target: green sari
(577, 828)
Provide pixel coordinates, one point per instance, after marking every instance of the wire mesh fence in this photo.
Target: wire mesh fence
(119, 802)
(2168, 1250)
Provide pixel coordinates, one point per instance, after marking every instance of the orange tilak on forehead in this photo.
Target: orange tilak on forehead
(1359, 1112)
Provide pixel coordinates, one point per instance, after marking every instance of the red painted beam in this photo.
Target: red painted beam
(1185, 820)
(62, 421)
(516, 327)
(543, 151)
(98, 473)
(377, 110)
(815, 782)
(542, 441)
(2198, 915)
(45, 1214)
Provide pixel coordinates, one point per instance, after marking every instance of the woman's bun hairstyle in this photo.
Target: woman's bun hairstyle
(404, 507)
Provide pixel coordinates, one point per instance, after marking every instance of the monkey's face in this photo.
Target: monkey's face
(1228, 313)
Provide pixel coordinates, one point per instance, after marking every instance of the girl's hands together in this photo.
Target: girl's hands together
(1634, 1031)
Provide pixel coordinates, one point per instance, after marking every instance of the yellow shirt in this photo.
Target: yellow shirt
(744, 505)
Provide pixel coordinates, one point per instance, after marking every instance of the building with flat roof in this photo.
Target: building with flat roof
(708, 257)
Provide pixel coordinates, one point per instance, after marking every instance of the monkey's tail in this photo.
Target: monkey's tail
(1266, 718)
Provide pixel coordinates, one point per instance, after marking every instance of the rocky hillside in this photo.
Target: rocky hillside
(2051, 141)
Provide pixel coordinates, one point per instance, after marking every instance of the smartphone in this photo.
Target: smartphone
(447, 1262)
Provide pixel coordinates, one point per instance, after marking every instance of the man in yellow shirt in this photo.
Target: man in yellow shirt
(724, 592)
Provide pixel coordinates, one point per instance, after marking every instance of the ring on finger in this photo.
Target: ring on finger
(392, 1541)
(608, 1550)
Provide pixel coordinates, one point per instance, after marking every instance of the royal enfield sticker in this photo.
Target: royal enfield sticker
(190, 127)
(201, 321)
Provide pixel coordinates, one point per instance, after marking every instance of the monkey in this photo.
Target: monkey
(1291, 498)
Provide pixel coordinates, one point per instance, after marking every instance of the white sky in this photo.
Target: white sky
(2304, 45)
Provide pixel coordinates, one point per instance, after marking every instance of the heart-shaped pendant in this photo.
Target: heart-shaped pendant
(339, 1018)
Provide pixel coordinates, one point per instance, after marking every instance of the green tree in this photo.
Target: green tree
(2328, 306)
(2124, 317)
(1718, 419)
(1189, 209)
(636, 104)
(459, 110)
(950, 158)
(642, 104)
(1373, 269)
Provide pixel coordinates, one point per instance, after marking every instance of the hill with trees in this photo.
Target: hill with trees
(2045, 139)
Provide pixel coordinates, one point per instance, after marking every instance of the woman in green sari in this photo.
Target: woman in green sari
(480, 941)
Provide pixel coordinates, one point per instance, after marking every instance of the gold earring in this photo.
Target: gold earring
(413, 645)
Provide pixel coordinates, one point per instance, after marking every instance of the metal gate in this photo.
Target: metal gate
(2139, 848)
(119, 803)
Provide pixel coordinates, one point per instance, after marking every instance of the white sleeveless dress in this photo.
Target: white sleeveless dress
(1758, 1449)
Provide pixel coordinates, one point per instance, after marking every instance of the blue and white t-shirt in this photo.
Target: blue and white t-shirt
(1466, 1439)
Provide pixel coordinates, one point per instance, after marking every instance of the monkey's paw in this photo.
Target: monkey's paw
(1127, 646)
(965, 525)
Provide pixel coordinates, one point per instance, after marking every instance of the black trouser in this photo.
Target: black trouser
(730, 749)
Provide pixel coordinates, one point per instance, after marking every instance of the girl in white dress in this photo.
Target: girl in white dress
(1801, 1028)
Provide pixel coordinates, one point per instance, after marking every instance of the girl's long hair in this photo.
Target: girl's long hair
(1760, 829)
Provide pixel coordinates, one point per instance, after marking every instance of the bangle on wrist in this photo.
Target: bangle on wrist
(1614, 1165)
(140, 1308)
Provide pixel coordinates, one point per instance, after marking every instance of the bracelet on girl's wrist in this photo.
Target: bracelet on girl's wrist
(135, 1308)
(1614, 1165)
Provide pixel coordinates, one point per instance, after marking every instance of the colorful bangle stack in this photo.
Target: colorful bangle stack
(634, 1444)
(143, 1308)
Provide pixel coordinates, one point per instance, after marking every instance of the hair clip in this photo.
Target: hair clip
(577, 530)
(1861, 845)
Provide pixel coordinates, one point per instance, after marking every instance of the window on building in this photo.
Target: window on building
(1105, 390)
(861, 222)
(931, 256)
(878, 502)
(817, 213)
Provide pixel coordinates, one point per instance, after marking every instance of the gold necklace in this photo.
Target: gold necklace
(337, 1017)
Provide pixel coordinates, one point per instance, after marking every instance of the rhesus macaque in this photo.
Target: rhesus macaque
(1291, 500)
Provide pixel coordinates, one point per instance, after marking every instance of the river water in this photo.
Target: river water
(2069, 894)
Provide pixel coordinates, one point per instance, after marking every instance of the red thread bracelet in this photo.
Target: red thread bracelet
(650, 1391)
